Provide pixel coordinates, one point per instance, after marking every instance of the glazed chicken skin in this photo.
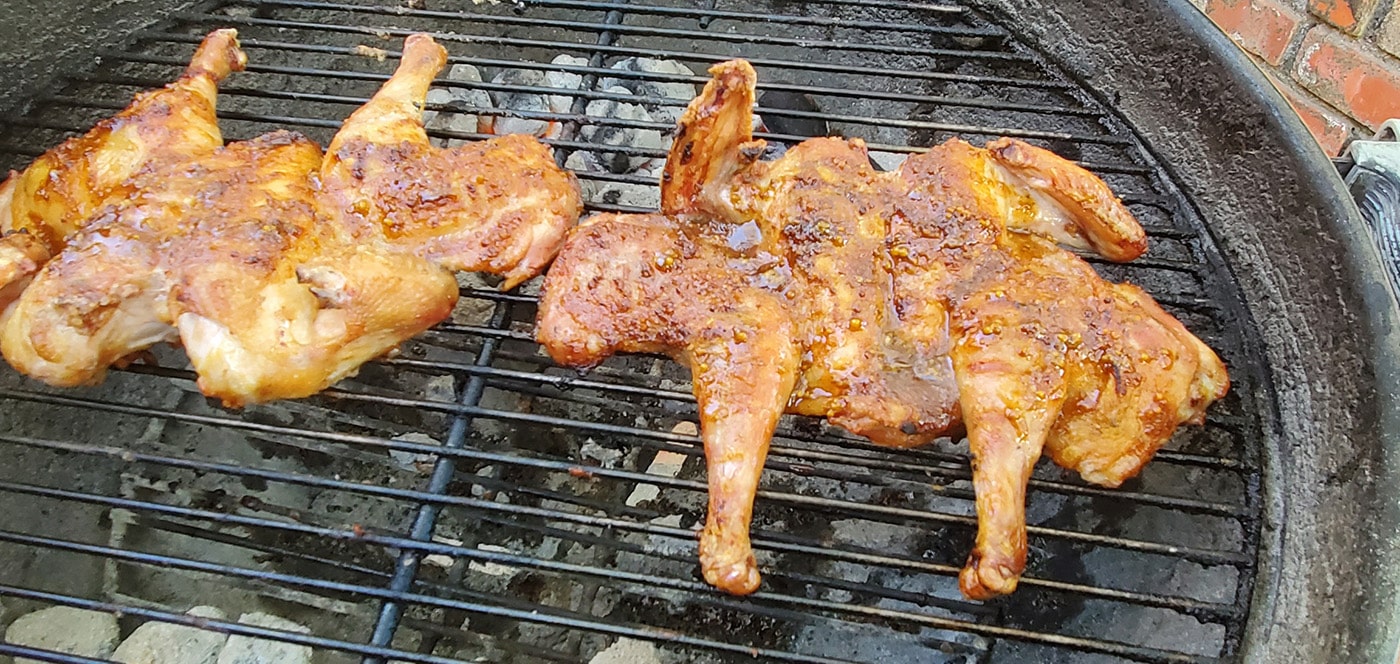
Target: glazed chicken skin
(824, 213)
(901, 306)
(675, 286)
(1047, 354)
(278, 281)
(41, 207)
(499, 206)
(208, 252)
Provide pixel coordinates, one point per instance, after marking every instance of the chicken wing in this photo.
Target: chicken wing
(917, 302)
(46, 204)
(499, 206)
(282, 270)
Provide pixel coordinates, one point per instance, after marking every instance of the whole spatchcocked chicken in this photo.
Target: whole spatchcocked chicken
(901, 306)
(279, 268)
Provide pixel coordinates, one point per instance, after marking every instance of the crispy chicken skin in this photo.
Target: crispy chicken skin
(675, 285)
(901, 306)
(281, 270)
(62, 188)
(499, 206)
(1047, 354)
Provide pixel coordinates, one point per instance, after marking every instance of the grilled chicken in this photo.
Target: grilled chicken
(1047, 354)
(499, 206)
(676, 285)
(46, 204)
(901, 306)
(282, 270)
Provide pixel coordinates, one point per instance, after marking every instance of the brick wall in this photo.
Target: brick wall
(1337, 61)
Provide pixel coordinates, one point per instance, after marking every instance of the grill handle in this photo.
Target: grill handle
(1374, 182)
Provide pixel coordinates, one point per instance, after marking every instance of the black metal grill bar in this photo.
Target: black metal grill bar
(575, 380)
(184, 528)
(457, 593)
(443, 470)
(514, 560)
(788, 19)
(425, 548)
(584, 70)
(819, 66)
(1089, 645)
(763, 540)
(786, 544)
(293, 120)
(45, 655)
(892, 473)
(297, 47)
(320, 73)
(41, 123)
(895, 4)
(232, 628)
(851, 443)
(1224, 463)
(658, 440)
(624, 29)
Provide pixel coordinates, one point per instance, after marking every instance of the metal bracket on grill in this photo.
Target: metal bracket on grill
(1374, 181)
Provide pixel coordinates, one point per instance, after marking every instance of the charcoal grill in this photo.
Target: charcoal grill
(467, 500)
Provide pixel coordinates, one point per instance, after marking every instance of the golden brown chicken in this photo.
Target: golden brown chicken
(675, 285)
(43, 206)
(498, 206)
(280, 281)
(897, 305)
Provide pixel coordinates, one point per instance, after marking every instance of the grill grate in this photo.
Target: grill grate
(468, 500)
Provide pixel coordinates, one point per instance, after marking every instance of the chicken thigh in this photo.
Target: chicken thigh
(912, 304)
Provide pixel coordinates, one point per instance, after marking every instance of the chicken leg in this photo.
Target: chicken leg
(1048, 356)
(668, 286)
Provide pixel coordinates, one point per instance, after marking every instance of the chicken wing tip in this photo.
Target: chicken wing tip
(737, 67)
(218, 55)
(422, 46)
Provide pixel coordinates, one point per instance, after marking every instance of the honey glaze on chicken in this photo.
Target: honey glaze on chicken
(281, 269)
(46, 204)
(901, 306)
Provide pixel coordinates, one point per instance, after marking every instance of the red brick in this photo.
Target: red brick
(1327, 126)
(1262, 27)
(1349, 15)
(1344, 74)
